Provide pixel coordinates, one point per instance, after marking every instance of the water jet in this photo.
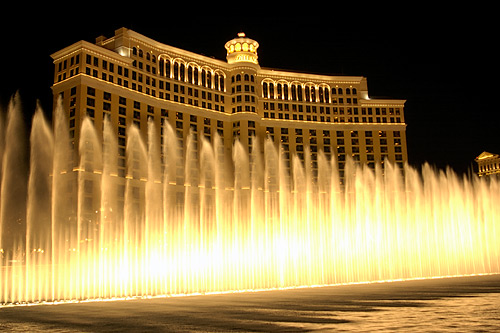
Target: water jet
(251, 227)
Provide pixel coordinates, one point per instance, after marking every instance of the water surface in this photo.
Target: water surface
(467, 304)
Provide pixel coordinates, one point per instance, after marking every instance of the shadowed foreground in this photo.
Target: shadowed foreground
(449, 304)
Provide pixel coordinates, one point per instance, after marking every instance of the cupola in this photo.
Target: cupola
(242, 49)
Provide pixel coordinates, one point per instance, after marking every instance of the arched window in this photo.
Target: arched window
(271, 90)
(294, 92)
(247, 77)
(313, 93)
(182, 71)
(238, 78)
(176, 70)
(308, 94)
(334, 91)
(339, 91)
(203, 77)
(279, 89)
(221, 83)
(348, 91)
(216, 81)
(161, 67)
(285, 91)
(324, 94)
(354, 91)
(167, 68)
(195, 75)
(265, 92)
(299, 93)
(190, 74)
(209, 79)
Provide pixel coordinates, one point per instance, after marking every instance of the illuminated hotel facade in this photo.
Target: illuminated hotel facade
(133, 79)
(488, 164)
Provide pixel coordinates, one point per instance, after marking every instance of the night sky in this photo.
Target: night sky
(443, 61)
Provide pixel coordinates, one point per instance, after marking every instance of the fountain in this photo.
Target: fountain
(264, 228)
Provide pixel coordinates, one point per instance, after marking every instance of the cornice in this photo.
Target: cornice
(90, 48)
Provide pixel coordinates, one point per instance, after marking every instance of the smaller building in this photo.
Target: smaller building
(488, 164)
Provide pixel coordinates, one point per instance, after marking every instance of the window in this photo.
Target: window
(122, 121)
(209, 79)
(182, 72)
(279, 89)
(176, 70)
(221, 82)
(299, 93)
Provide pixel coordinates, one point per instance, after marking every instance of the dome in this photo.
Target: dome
(242, 49)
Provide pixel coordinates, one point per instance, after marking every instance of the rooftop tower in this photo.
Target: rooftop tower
(242, 49)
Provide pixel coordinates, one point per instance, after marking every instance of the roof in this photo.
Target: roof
(486, 155)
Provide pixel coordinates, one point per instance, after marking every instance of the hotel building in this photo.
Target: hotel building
(488, 165)
(134, 79)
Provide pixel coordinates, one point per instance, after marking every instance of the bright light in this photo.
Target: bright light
(256, 228)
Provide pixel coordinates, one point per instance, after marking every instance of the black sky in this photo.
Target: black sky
(442, 61)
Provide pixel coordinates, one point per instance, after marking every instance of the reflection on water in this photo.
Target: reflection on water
(470, 313)
(455, 304)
